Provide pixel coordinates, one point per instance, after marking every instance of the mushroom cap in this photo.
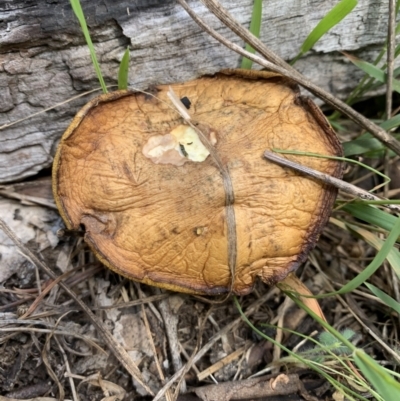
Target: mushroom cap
(154, 214)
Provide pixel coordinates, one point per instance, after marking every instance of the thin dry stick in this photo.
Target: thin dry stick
(14, 330)
(115, 347)
(106, 387)
(391, 47)
(68, 369)
(49, 108)
(394, 280)
(46, 361)
(222, 362)
(140, 301)
(153, 348)
(342, 107)
(151, 305)
(226, 18)
(327, 179)
(303, 341)
(171, 330)
(28, 200)
(190, 362)
(279, 332)
(186, 355)
(74, 352)
(43, 293)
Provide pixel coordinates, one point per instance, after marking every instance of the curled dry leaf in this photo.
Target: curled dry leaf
(153, 200)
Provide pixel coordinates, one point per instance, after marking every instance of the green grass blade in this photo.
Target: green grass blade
(372, 71)
(76, 6)
(393, 255)
(387, 299)
(255, 27)
(396, 71)
(366, 144)
(385, 385)
(123, 71)
(331, 19)
(362, 146)
(336, 125)
(384, 251)
(371, 215)
(379, 202)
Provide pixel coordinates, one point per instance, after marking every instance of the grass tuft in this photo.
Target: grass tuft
(255, 27)
(76, 6)
(338, 12)
(123, 71)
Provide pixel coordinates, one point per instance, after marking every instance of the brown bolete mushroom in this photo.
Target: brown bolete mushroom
(193, 206)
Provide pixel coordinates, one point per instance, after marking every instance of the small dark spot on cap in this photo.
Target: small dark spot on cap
(183, 150)
(186, 102)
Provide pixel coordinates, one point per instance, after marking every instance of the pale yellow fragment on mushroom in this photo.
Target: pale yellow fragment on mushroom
(177, 147)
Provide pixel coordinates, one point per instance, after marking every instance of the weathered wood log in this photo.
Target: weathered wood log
(44, 60)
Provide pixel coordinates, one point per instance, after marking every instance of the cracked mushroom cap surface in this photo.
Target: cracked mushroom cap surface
(158, 208)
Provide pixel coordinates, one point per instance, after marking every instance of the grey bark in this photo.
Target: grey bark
(44, 59)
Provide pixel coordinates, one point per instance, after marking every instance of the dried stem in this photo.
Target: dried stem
(153, 349)
(390, 56)
(391, 47)
(326, 178)
(48, 109)
(171, 331)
